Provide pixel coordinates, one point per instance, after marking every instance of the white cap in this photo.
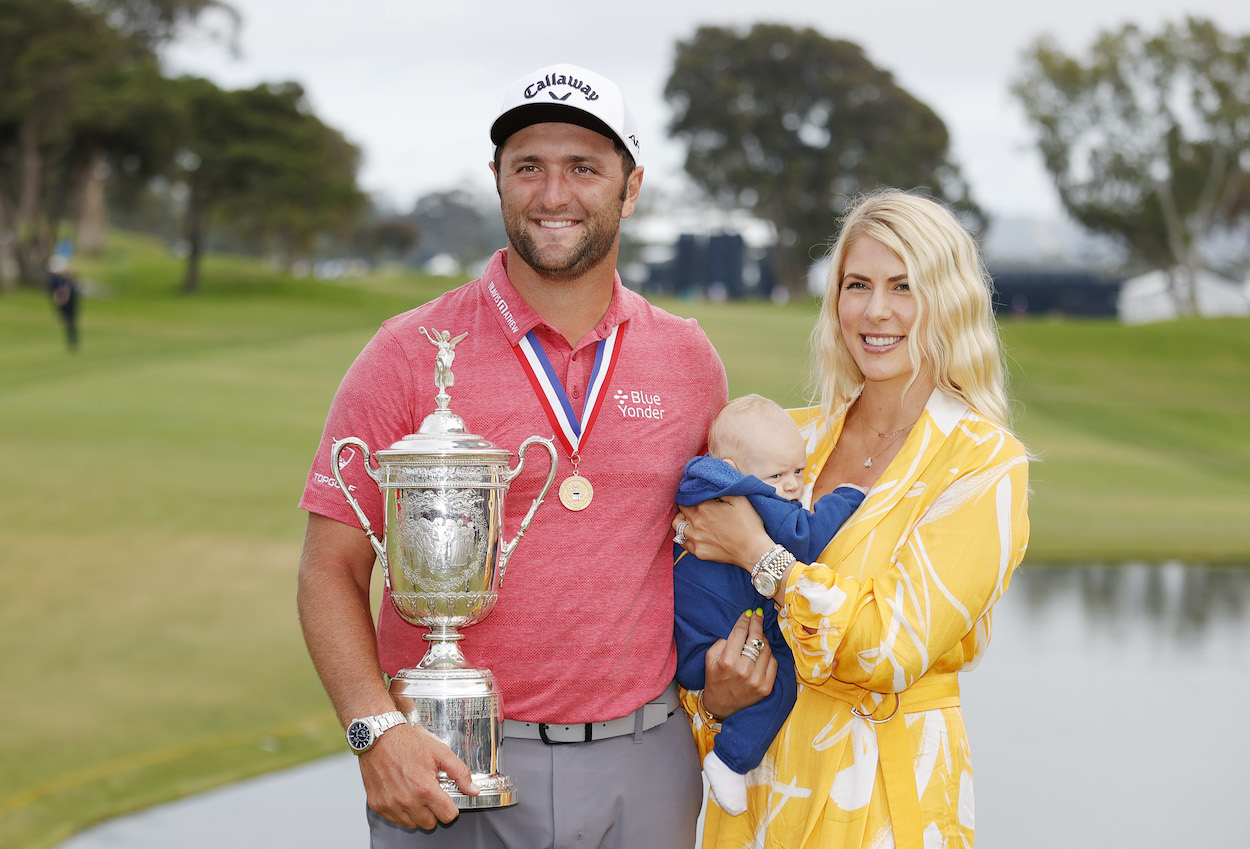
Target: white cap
(567, 94)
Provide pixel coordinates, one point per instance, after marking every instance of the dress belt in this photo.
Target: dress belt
(937, 690)
(649, 716)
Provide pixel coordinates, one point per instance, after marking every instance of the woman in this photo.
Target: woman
(913, 407)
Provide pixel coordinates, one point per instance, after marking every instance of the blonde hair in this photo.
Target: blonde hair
(954, 335)
(728, 439)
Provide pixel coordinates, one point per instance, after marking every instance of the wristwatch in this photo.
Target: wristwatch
(363, 733)
(770, 569)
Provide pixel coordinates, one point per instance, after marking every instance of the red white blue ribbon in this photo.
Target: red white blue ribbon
(550, 391)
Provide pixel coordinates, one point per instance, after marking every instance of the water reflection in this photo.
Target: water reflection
(1107, 710)
(1181, 603)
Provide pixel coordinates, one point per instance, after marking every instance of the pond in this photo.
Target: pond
(1111, 709)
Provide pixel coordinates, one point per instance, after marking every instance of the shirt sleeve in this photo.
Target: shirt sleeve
(376, 403)
(931, 602)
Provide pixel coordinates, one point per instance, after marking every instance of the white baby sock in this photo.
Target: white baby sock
(729, 788)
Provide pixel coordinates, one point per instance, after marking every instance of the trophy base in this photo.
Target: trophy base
(464, 709)
(498, 791)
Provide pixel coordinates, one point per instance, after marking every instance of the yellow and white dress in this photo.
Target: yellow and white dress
(874, 753)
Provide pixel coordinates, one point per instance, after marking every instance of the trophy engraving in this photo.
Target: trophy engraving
(443, 561)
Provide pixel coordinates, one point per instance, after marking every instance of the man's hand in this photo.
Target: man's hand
(734, 681)
(401, 778)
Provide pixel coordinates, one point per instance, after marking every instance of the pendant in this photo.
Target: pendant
(576, 492)
(868, 463)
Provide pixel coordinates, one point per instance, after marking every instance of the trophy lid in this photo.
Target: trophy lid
(443, 433)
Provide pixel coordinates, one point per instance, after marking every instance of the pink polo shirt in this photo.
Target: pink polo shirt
(583, 630)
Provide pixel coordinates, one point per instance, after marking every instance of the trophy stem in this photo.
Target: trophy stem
(444, 653)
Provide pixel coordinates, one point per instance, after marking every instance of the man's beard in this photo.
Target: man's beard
(597, 243)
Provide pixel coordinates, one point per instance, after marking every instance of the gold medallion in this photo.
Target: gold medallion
(576, 492)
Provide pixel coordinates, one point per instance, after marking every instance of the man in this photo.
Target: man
(581, 639)
(64, 291)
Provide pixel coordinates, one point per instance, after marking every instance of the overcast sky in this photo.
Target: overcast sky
(416, 83)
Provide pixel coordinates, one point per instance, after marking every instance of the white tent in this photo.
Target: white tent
(1147, 298)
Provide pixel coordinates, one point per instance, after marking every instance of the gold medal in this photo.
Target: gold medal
(576, 492)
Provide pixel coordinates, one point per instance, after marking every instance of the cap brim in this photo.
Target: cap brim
(547, 113)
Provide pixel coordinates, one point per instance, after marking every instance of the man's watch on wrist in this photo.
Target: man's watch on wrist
(364, 732)
(770, 569)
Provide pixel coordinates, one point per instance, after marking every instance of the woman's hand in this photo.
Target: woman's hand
(733, 680)
(726, 530)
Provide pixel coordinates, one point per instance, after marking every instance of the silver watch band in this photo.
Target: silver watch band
(770, 569)
(383, 722)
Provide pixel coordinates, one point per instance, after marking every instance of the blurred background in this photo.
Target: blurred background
(206, 208)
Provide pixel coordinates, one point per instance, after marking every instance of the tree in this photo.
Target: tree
(153, 24)
(791, 124)
(128, 132)
(81, 87)
(262, 165)
(301, 175)
(158, 22)
(59, 64)
(385, 238)
(1147, 138)
(458, 222)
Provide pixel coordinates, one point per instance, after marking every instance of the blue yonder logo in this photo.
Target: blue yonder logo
(638, 405)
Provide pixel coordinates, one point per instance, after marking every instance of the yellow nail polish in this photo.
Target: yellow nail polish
(748, 613)
(759, 611)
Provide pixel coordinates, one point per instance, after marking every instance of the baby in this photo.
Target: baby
(754, 449)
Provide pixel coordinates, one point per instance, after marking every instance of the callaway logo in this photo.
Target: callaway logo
(552, 80)
(638, 405)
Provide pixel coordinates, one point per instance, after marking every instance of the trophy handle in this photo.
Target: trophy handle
(337, 449)
(505, 548)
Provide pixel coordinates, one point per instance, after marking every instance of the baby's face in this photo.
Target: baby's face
(778, 459)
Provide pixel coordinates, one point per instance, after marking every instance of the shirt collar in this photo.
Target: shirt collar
(516, 317)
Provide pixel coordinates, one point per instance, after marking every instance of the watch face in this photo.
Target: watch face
(359, 735)
(765, 584)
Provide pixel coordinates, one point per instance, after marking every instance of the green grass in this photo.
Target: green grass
(150, 532)
(1143, 438)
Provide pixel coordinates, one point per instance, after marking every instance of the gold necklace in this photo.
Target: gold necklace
(894, 434)
(868, 462)
(881, 435)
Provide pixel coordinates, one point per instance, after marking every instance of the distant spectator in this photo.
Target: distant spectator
(64, 290)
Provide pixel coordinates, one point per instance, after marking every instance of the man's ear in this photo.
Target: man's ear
(633, 188)
(495, 173)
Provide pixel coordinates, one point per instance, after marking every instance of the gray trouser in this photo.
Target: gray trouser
(609, 794)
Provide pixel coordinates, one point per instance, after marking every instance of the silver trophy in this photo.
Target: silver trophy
(444, 563)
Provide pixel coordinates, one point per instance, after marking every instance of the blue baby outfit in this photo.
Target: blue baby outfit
(709, 597)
